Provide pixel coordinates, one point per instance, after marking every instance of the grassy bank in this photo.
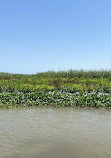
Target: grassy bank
(64, 88)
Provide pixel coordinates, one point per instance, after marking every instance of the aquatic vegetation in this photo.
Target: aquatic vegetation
(56, 98)
(71, 88)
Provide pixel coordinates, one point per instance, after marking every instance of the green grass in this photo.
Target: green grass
(63, 88)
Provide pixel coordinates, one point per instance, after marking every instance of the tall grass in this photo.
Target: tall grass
(76, 73)
(64, 74)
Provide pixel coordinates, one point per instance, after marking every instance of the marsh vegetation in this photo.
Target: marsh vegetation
(63, 88)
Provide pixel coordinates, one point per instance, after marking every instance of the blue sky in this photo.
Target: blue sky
(42, 35)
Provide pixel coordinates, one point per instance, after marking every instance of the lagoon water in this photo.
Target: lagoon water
(49, 132)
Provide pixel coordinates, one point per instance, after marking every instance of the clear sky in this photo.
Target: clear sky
(42, 35)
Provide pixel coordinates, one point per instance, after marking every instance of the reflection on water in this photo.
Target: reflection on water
(55, 133)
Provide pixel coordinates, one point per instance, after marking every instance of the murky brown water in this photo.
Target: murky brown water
(55, 133)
